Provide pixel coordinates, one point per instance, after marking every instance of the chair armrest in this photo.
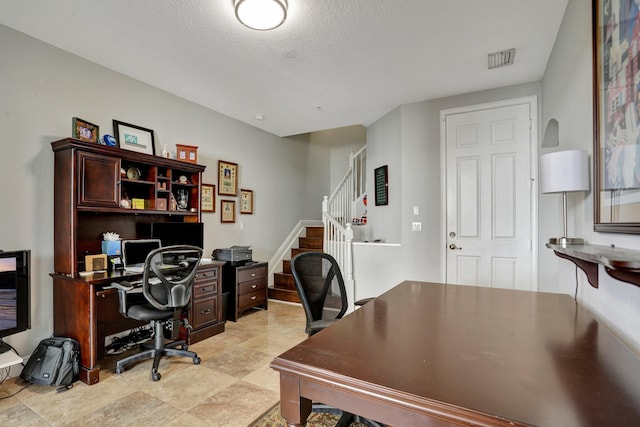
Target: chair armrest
(123, 288)
(319, 325)
(363, 301)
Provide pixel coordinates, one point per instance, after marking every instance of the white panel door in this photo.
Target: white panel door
(489, 233)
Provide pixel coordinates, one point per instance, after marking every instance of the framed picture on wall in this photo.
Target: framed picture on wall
(208, 198)
(227, 178)
(246, 201)
(134, 138)
(616, 89)
(227, 211)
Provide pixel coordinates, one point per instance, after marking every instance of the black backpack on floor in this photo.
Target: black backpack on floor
(56, 362)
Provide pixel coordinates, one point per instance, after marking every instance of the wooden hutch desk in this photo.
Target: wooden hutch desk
(90, 181)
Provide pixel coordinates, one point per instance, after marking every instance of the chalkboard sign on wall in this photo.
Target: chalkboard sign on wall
(381, 179)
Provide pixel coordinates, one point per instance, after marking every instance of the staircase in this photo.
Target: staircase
(284, 288)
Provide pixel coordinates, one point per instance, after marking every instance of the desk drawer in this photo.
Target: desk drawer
(251, 299)
(206, 274)
(252, 286)
(252, 274)
(205, 289)
(204, 311)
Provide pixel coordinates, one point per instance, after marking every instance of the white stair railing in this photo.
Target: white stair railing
(337, 214)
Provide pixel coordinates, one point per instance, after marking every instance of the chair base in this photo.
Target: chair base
(156, 351)
(346, 419)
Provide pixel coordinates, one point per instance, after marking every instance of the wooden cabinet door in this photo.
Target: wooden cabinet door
(98, 180)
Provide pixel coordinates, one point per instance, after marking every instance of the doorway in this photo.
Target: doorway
(490, 194)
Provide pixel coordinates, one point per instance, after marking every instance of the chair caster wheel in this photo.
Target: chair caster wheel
(196, 360)
(184, 347)
(155, 376)
(119, 369)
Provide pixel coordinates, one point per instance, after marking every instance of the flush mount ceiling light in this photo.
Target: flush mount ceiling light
(261, 14)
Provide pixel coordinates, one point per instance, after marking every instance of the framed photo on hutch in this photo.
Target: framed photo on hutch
(208, 198)
(246, 201)
(134, 138)
(616, 90)
(227, 178)
(85, 131)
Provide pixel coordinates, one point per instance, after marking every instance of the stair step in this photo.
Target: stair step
(286, 266)
(315, 231)
(284, 281)
(283, 295)
(310, 242)
(296, 251)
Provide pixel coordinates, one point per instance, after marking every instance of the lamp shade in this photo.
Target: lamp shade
(564, 171)
(261, 14)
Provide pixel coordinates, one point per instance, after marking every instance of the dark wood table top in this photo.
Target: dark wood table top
(476, 355)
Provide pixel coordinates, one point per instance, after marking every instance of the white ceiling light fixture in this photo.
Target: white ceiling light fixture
(261, 15)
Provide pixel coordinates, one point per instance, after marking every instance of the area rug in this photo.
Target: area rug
(272, 418)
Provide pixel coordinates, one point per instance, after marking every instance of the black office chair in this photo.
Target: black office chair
(321, 288)
(167, 282)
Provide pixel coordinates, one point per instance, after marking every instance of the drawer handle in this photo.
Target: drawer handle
(207, 311)
(254, 286)
(207, 289)
(254, 297)
(253, 274)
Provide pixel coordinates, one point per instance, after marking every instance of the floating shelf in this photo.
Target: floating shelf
(621, 264)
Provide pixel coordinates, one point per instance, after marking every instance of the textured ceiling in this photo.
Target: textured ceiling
(333, 63)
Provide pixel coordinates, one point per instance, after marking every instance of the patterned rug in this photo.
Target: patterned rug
(272, 418)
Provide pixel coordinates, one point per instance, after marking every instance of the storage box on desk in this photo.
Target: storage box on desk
(234, 254)
(111, 247)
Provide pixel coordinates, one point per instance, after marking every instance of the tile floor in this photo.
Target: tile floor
(231, 387)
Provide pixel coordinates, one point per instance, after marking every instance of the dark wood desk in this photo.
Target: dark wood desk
(433, 354)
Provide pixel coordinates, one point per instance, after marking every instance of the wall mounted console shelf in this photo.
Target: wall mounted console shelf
(621, 264)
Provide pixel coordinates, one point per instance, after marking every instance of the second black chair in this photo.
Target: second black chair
(167, 284)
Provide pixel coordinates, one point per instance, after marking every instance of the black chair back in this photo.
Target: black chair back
(320, 286)
(175, 268)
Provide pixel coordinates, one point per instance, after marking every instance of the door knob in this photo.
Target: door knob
(453, 247)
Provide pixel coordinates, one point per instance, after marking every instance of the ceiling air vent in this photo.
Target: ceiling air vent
(500, 59)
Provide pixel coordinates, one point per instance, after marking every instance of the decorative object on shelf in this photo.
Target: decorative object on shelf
(109, 140)
(173, 204)
(208, 198)
(246, 201)
(381, 178)
(134, 138)
(125, 202)
(227, 178)
(85, 131)
(182, 179)
(616, 182)
(161, 204)
(227, 211)
(563, 172)
(137, 203)
(182, 198)
(133, 173)
(261, 15)
(165, 152)
(187, 153)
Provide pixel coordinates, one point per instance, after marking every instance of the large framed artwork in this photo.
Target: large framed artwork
(227, 178)
(616, 91)
(134, 138)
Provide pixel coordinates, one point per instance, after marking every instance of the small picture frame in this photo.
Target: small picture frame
(134, 138)
(227, 178)
(85, 131)
(246, 201)
(187, 153)
(227, 211)
(208, 198)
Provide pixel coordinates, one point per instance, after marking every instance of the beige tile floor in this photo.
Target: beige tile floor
(231, 387)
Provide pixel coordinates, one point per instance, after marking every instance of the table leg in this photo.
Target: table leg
(293, 407)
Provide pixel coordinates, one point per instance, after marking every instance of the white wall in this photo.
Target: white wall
(42, 88)
(567, 97)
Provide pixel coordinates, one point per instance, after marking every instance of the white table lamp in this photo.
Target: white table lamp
(562, 172)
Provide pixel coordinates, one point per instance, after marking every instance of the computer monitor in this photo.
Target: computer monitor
(134, 252)
(15, 284)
